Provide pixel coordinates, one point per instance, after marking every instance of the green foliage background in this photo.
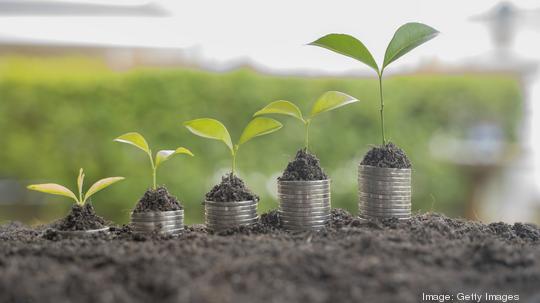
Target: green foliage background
(57, 115)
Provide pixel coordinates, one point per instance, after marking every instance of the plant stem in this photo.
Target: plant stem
(307, 123)
(154, 168)
(382, 110)
(233, 163)
(154, 177)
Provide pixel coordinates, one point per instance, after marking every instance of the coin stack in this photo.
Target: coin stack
(384, 192)
(166, 222)
(304, 205)
(224, 215)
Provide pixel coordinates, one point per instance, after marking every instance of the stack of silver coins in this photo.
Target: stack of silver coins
(165, 222)
(384, 192)
(304, 205)
(220, 216)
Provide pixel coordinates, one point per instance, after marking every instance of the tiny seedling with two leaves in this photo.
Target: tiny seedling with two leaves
(213, 129)
(57, 189)
(327, 102)
(406, 38)
(138, 141)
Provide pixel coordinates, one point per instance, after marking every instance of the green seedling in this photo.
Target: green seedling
(138, 141)
(406, 38)
(56, 189)
(327, 102)
(213, 129)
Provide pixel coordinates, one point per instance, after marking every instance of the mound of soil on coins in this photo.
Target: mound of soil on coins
(304, 167)
(80, 218)
(231, 189)
(157, 200)
(386, 156)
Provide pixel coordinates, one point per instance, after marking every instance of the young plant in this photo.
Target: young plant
(138, 141)
(406, 38)
(327, 102)
(56, 189)
(213, 129)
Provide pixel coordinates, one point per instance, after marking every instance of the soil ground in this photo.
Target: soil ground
(80, 218)
(157, 200)
(350, 261)
(230, 189)
(388, 156)
(304, 167)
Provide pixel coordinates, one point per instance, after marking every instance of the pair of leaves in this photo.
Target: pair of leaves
(327, 102)
(213, 129)
(405, 39)
(59, 190)
(138, 141)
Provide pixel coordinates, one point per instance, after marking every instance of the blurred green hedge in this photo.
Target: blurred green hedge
(61, 114)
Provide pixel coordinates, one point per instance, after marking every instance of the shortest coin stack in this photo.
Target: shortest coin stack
(166, 222)
(224, 215)
(304, 205)
(384, 192)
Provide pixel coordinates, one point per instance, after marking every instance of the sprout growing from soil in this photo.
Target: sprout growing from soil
(406, 38)
(213, 129)
(138, 141)
(327, 102)
(56, 189)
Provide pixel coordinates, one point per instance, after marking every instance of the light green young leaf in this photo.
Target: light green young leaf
(258, 127)
(210, 128)
(101, 184)
(281, 107)
(136, 140)
(349, 46)
(331, 100)
(53, 189)
(80, 181)
(406, 38)
(164, 155)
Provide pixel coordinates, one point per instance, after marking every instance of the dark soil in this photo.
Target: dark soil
(80, 218)
(231, 189)
(350, 261)
(304, 167)
(387, 156)
(157, 200)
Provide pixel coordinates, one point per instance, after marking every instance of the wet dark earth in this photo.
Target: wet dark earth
(350, 261)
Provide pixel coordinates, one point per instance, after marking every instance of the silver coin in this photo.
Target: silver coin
(158, 215)
(230, 203)
(231, 218)
(77, 233)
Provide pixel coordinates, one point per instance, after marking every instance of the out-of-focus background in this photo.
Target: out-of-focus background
(76, 74)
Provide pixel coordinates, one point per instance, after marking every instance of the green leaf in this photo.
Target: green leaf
(331, 100)
(53, 189)
(349, 46)
(281, 107)
(210, 128)
(258, 127)
(164, 155)
(101, 184)
(136, 140)
(80, 181)
(406, 38)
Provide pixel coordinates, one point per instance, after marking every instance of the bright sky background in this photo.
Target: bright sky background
(273, 34)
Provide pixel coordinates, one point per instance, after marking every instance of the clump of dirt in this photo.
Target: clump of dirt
(304, 167)
(387, 156)
(80, 218)
(157, 200)
(231, 189)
